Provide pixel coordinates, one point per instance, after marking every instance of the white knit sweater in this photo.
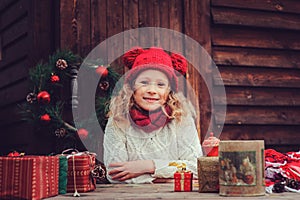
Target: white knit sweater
(175, 142)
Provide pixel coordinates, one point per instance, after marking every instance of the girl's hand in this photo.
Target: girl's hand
(131, 169)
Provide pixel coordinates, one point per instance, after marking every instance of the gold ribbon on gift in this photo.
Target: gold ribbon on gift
(181, 167)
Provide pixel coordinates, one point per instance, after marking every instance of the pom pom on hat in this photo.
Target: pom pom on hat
(130, 56)
(139, 60)
(179, 63)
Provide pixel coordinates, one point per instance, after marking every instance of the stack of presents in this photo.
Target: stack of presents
(241, 168)
(46, 176)
(230, 168)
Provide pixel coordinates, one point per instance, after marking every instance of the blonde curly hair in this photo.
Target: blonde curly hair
(121, 104)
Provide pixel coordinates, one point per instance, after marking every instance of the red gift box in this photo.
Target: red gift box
(183, 181)
(29, 177)
(80, 166)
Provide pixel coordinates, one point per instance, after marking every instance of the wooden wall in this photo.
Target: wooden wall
(256, 46)
(253, 42)
(26, 34)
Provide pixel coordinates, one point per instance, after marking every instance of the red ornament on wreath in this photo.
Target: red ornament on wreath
(14, 154)
(45, 118)
(82, 133)
(54, 79)
(102, 71)
(43, 97)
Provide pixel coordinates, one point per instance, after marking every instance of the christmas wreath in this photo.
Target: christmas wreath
(50, 94)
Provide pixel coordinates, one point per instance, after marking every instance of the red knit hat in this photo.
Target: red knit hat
(138, 60)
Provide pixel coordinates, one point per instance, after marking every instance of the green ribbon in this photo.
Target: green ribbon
(63, 172)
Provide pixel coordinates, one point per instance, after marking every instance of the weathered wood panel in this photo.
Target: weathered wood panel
(260, 115)
(255, 38)
(13, 33)
(262, 96)
(115, 26)
(271, 134)
(256, 57)
(68, 25)
(27, 35)
(82, 12)
(242, 76)
(98, 22)
(197, 26)
(256, 47)
(255, 18)
(289, 6)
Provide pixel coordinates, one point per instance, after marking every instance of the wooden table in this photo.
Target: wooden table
(160, 191)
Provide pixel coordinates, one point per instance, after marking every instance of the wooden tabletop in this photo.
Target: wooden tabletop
(160, 191)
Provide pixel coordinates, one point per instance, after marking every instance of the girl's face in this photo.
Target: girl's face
(151, 89)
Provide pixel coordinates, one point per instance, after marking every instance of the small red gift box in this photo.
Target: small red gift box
(80, 166)
(183, 181)
(28, 177)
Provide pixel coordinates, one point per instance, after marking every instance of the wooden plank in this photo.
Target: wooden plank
(14, 32)
(241, 115)
(146, 11)
(176, 16)
(283, 148)
(224, 35)
(98, 21)
(114, 17)
(259, 96)
(197, 26)
(13, 13)
(9, 115)
(4, 4)
(15, 72)
(130, 17)
(98, 29)
(130, 21)
(256, 57)
(176, 23)
(255, 18)
(272, 135)
(13, 93)
(288, 6)
(41, 32)
(164, 191)
(68, 25)
(115, 26)
(18, 133)
(242, 76)
(15, 52)
(83, 17)
(162, 20)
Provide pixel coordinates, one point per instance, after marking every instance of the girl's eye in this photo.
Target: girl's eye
(144, 82)
(161, 84)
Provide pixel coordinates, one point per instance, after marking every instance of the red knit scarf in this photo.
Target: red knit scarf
(149, 121)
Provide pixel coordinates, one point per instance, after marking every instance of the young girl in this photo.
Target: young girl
(150, 123)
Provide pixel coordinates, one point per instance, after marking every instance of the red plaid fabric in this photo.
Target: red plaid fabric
(29, 177)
